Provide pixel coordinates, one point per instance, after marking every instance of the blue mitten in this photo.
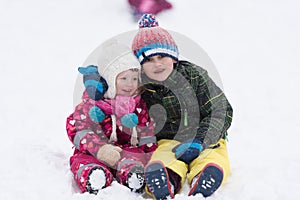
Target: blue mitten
(187, 151)
(130, 120)
(95, 84)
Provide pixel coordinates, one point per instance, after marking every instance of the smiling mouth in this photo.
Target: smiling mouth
(158, 71)
(129, 90)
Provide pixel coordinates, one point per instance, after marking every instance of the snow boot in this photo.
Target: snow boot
(136, 179)
(207, 181)
(96, 180)
(158, 182)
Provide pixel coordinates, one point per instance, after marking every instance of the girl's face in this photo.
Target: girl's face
(158, 67)
(127, 82)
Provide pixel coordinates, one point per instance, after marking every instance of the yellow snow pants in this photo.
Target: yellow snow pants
(218, 156)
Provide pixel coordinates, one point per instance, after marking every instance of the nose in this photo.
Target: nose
(129, 82)
(156, 62)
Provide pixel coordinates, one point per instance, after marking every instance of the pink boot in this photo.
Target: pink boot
(90, 174)
(131, 175)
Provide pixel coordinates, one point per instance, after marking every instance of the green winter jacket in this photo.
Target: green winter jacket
(188, 105)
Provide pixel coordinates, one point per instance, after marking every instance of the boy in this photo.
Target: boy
(192, 116)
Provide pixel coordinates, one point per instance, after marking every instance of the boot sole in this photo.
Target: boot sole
(208, 182)
(160, 187)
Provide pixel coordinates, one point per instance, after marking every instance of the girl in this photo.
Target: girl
(113, 134)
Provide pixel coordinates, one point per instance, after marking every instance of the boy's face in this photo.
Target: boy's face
(127, 83)
(158, 67)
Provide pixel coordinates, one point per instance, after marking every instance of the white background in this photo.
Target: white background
(254, 45)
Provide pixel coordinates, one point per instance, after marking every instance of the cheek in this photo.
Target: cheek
(118, 85)
(118, 89)
(171, 63)
(146, 69)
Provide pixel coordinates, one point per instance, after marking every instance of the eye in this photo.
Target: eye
(147, 59)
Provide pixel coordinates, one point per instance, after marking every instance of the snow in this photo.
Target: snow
(254, 45)
(97, 179)
(134, 181)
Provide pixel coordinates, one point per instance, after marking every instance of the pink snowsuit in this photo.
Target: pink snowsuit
(88, 136)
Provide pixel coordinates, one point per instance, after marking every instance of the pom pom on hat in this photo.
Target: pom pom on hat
(130, 120)
(96, 114)
(148, 20)
(152, 40)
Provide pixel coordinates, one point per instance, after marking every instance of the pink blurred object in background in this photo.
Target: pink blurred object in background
(139, 7)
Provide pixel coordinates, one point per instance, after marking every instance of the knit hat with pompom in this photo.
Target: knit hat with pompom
(113, 59)
(153, 40)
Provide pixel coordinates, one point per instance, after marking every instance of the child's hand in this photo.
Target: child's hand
(95, 84)
(188, 151)
(109, 154)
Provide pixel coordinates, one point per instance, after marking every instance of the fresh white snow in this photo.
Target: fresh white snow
(97, 179)
(134, 181)
(254, 45)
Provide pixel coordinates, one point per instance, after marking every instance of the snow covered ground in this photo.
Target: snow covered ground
(254, 44)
